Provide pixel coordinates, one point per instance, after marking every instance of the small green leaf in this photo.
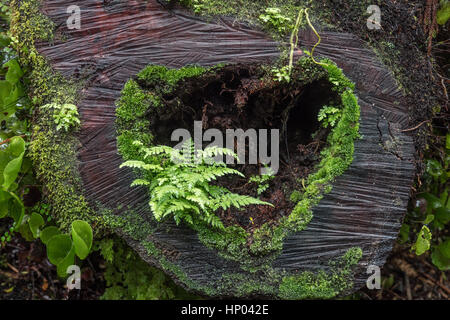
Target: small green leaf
(434, 168)
(14, 71)
(11, 171)
(433, 202)
(5, 92)
(25, 232)
(48, 233)
(444, 247)
(61, 253)
(443, 215)
(16, 149)
(440, 260)
(428, 219)
(443, 14)
(4, 200)
(35, 222)
(423, 241)
(16, 209)
(404, 233)
(16, 146)
(82, 238)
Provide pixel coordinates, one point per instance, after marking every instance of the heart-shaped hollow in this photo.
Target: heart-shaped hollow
(247, 97)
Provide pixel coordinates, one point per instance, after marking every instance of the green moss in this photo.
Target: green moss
(129, 222)
(161, 76)
(322, 285)
(60, 177)
(53, 153)
(248, 11)
(295, 196)
(240, 285)
(135, 103)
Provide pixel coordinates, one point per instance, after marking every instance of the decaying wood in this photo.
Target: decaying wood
(367, 203)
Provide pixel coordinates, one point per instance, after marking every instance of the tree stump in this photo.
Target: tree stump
(364, 209)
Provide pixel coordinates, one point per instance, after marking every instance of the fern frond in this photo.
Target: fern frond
(141, 165)
(180, 187)
(154, 151)
(166, 190)
(140, 182)
(214, 151)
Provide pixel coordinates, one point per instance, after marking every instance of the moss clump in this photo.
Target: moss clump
(57, 170)
(295, 196)
(164, 78)
(135, 103)
(322, 285)
(29, 25)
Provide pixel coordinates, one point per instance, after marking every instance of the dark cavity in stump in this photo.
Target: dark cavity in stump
(242, 97)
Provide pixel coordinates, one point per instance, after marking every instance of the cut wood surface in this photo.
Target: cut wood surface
(367, 203)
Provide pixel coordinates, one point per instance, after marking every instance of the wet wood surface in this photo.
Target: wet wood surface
(117, 40)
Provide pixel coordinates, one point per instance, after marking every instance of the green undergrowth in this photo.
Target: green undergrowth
(52, 151)
(276, 17)
(233, 242)
(128, 277)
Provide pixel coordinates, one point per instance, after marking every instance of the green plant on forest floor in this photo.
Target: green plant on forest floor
(262, 181)
(443, 14)
(329, 116)
(16, 174)
(128, 277)
(179, 183)
(65, 115)
(284, 73)
(275, 20)
(11, 158)
(430, 214)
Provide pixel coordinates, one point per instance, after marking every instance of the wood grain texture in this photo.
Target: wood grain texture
(367, 203)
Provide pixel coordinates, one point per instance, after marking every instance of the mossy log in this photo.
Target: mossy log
(353, 226)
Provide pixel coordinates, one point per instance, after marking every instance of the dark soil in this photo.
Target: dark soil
(406, 276)
(26, 273)
(236, 97)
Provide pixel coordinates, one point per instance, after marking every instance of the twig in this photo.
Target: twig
(9, 140)
(12, 267)
(416, 127)
(294, 44)
(408, 287)
(318, 37)
(393, 293)
(435, 282)
(444, 87)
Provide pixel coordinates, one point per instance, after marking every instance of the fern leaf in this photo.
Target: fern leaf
(140, 182)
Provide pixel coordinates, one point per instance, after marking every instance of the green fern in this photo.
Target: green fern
(180, 186)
